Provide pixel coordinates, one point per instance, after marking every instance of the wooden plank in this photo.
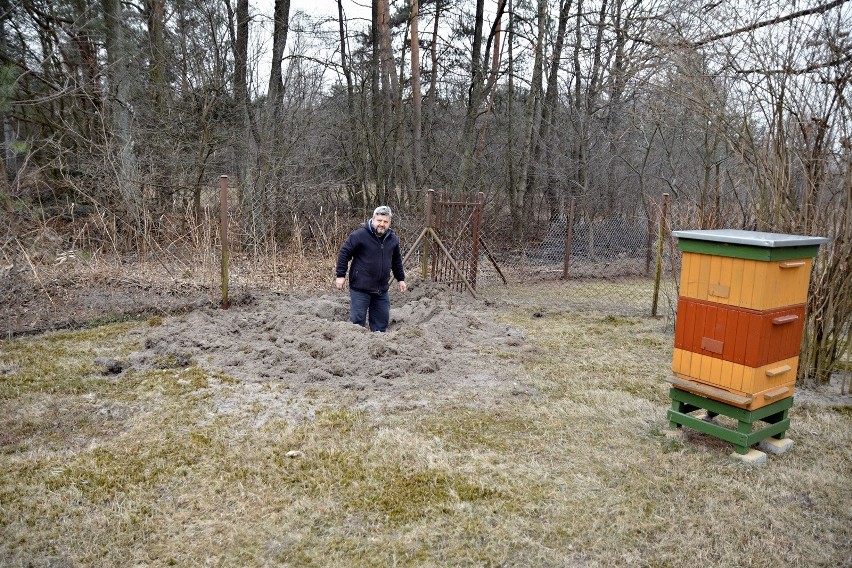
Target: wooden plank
(747, 286)
(710, 392)
(735, 412)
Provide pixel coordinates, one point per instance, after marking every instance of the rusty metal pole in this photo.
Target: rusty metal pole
(474, 246)
(223, 234)
(569, 237)
(424, 260)
(661, 233)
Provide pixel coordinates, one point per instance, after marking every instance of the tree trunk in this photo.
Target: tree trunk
(355, 132)
(8, 161)
(389, 90)
(519, 209)
(543, 147)
(581, 118)
(117, 108)
(492, 78)
(475, 94)
(432, 96)
(280, 29)
(269, 147)
(511, 190)
(613, 120)
(416, 117)
(239, 29)
(398, 119)
(154, 14)
(376, 136)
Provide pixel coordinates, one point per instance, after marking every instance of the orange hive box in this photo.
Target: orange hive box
(747, 337)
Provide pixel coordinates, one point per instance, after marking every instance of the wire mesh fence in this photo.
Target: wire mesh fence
(608, 264)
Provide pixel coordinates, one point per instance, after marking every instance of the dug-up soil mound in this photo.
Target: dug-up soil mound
(433, 350)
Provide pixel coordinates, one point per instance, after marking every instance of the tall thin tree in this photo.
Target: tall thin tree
(118, 107)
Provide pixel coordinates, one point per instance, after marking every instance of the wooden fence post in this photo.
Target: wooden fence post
(660, 237)
(569, 237)
(223, 234)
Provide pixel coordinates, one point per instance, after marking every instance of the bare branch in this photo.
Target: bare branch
(822, 8)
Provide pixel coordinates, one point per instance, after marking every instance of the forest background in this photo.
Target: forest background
(119, 118)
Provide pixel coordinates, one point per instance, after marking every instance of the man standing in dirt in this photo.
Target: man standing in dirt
(374, 251)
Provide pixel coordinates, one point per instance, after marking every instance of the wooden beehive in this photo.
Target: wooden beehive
(741, 314)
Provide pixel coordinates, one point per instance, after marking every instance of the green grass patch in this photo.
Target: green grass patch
(60, 363)
(844, 409)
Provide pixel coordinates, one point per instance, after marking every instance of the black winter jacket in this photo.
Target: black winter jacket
(373, 258)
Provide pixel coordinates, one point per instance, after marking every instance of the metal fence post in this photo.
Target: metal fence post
(569, 237)
(223, 233)
(476, 227)
(424, 260)
(660, 236)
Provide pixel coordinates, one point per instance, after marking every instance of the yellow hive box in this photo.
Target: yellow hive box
(745, 283)
(750, 387)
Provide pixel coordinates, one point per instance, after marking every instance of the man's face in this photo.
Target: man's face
(381, 224)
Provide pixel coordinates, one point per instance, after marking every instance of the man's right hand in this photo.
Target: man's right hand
(340, 282)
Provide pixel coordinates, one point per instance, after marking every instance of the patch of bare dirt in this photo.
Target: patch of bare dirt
(301, 342)
(73, 294)
(835, 393)
(432, 349)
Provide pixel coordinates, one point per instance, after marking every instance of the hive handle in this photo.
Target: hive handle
(776, 393)
(781, 320)
(792, 264)
(719, 290)
(778, 371)
(712, 345)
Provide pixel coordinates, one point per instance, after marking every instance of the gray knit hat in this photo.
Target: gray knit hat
(383, 210)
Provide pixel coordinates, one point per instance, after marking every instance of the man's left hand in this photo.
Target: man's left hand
(402, 286)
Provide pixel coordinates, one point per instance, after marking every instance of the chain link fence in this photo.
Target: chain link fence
(611, 265)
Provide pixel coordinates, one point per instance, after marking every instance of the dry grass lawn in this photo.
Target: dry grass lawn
(574, 469)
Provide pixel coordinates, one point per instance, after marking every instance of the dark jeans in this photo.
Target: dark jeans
(377, 304)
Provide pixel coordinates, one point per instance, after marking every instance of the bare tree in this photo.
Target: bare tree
(531, 118)
(118, 112)
(416, 102)
(477, 90)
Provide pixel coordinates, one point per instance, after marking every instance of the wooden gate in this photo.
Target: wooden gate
(452, 241)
